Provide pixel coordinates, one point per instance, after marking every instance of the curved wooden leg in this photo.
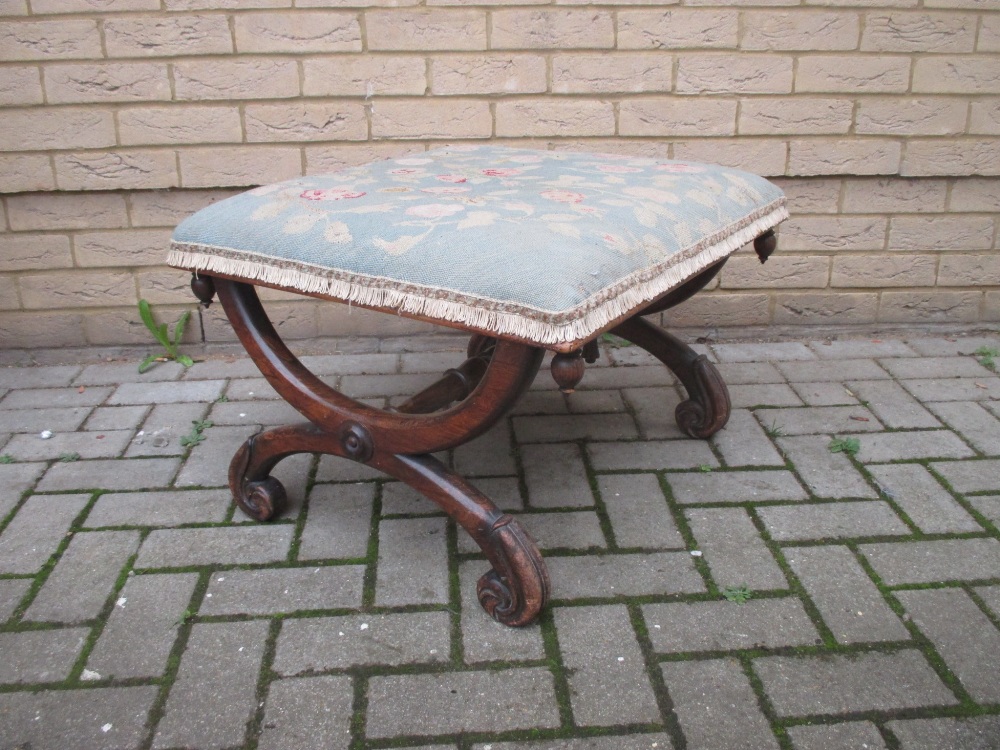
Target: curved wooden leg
(706, 410)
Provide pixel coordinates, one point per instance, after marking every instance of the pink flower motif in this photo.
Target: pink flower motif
(434, 210)
(617, 168)
(500, 172)
(563, 196)
(406, 171)
(445, 190)
(586, 209)
(451, 178)
(680, 168)
(331, 194)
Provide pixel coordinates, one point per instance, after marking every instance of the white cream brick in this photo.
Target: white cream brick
(991, 307)
(555, 118)
(311, 121)
(879, 4)
(833, 233)
(734, 74)
(20, 85)
(894, 195)
(247, 78)
(118, 170)
(989, 33)
(972, 74)
(224, 4)
(951, 157)
(168, 286)
(705, 311)
(551, 29)
(364, 75)
(25, 252)
(904, 31)
(106, 82)
(852, 74)
(362, 3)
(677, 28)
(797, 30)
(25, 172)
(297, 31)
(854, 156)
(677, 116)
(426, 30)
(606, 73)
(883, 270)
(166, 208)
(333, 158)
(91, 6)
(762, 156)
(131, 247)
(13, 7)
(931, 306)
(984, 117)
(971, 4)
(50, 128)
(940, 233)
(238, 166)
(430, 118)
(650, 149)
(832, 308)
(781, 271)
(177, 124)
(975, 195)
(167, 37)
(811, 196)
(8, 293)
(23, 330)
(463, 75)
(47, 211)
(969, 270)
(905, 116)
(49, 40)
(72, 289)
(795, 116)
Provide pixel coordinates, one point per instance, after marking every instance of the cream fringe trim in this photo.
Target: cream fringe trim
(520, 321)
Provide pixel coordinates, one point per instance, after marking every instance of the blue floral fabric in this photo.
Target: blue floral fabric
(544, 245)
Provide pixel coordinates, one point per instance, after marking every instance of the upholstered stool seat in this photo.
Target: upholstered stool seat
(527, 250)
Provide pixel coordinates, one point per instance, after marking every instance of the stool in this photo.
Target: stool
(526, 250)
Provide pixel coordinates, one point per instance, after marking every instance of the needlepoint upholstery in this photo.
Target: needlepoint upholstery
(544, 246)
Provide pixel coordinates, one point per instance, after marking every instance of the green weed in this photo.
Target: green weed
(987, 357)
(196, 435)
(6, 458)
(845, 445)
(738, 594)
(69, 457)
(162, 335)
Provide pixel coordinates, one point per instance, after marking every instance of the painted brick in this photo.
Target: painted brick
(119, 170)
(677, 28)
(238, 165)
(797, 115)
(426, 30)
(55, 129)
(883, 270)
(951, 157)
(909, 117)
(363, 75)
(858, 156)
(975, 195)
(551, 29)
(167, 37)
(298, 32)
(730, 74)
(928, 307)
(940, 233)
(24, 252)
(588, 74)
(894, 195)
(852, 74)
(179, 125)
(305, 122)
(834, 233)
(984, 117)
(106, 82)
(819, 195)
(832, 308)
(20, 85)
(678, 116)
(77, 289)
(813, 31)
(968, 270)
(26, 172)
(488, 74)
(549, 118)
(957, 75)
(49, 40)
(432, 119)
(245, 78)
(92, 6)
(781, 271)
(919, 32)
(763, 156)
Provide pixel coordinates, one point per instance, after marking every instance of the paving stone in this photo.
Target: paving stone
(320, 643)
(39, 377)
(48, 398)
(601, 378)
(787, 523)
(716, 705)
(652, 455)
(126, 372)
(741, 373)
(85, 575)
(541, 402)
(849, 734)
(559, 428)
(268, 413)
(903, 446)
(970, 476)
(398, 498)
(12, 591)
(110, 474)
(735, 486)
(483, 638)
(167, 508)
(214, 694)
(40, 655)
(991, 596)
(232, 545)
(782, 351)
(838, 684)
(208, 463)
(579, 530)
(490, 454)
(58, 419)
(850, 604)
(116, 418)
(366, 386)
(630, 356)
(453, 702)
(430, 361)
(927, 562)
(654, 412)
(825, 394)
(595, 402)
(638, 511)
(813, 420)
(733, 549)
(555, 476)
(642, 574)
(933, 346)
(961, 634)
(305, 713)
(250, 389)
(975, 733)
(412, 562)
(163, 429)
(743, 442)
(926, 502)
(935, 367)
(222, 369)
(632, 741)
(37, 531)
(338, 523)
(826, 474)
(58, 719)
(678, 627)
(367, 363)
(167, 393)
(844, 369)
(989, 506)
(764, 394)
(854, 348)
(973, 422)
(268, 592)
(14, 480)
(142, 627)
(890, 402)
(337, 469)
(602, 658)
(954, 389)
(85, 444)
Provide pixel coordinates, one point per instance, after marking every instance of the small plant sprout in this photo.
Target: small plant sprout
(195, 437)
(738, 594)
(775, 430)
(6, 458)
(69, 457)
(162, 335)
(705, 468)
(987, 356)
(845, 445)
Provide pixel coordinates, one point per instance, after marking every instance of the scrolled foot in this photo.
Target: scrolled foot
(516, 594)
(707, 411)
(262, 500)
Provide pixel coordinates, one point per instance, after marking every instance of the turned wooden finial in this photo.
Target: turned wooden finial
(203, 288)
(567, 370)
(765, 245)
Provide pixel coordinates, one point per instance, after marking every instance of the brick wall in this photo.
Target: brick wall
(878, 117)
